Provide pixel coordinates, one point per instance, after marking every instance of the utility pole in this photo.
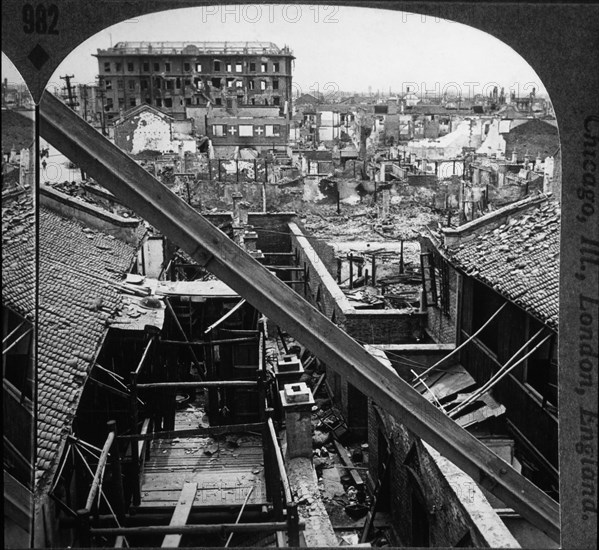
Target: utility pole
(71, 100)
(102, 118)
(84, 94)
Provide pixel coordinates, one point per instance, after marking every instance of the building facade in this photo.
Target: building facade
(176, 75)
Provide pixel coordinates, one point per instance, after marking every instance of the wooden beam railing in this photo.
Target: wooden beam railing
(209, 342)
(221, 528)
(203, 384)
(195, 432)
(83, 514)
(290, 503)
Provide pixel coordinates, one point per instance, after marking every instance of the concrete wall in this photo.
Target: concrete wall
(145, 131)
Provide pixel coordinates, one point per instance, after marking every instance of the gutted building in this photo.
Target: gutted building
(175, 75)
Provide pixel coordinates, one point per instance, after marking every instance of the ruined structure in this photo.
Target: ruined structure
(176, 75)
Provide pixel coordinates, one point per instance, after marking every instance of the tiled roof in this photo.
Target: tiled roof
(18, 258)
(78, 267)
(519, 259)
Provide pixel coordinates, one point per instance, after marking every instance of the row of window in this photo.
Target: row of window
(167, 66)
(176, 84)
(246, 130)
(168, 102)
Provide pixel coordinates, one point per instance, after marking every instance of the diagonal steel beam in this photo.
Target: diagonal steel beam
(209, 246)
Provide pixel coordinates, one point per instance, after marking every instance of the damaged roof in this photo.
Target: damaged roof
(78, 270)
(18, 253)
(519, 259)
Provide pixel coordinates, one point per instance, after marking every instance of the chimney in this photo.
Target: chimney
(297, 401)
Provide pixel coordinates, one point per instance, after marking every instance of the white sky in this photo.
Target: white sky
(342, 48)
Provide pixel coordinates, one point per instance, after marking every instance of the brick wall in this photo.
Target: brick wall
(449, 502)
(385, 326)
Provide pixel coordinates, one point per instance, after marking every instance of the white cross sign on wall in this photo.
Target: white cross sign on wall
(232, 130)
(259, 130)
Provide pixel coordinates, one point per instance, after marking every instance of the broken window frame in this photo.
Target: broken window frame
(146, 66)
(252, 66)
(275, 67)
(156, 67)
(108, 84)
(198, 67)
(239, 67)
(107, 67)
(239, 84)
(263, 85)
(276, 100)
(263, 67)
(187, 66)
(428, 276)
(217, 65)
(130, 66)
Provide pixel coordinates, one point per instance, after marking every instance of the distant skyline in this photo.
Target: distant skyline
(336, 48)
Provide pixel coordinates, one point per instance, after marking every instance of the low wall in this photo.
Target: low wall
(124, 229)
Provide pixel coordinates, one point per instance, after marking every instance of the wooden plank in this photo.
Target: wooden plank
(345, 458)
(212, 249)
(181, 514)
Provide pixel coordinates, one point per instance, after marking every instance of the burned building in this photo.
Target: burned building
(176, 75)
(491, 287)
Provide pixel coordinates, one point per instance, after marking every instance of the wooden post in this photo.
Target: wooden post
(255, 170)
(83, 526)
(306, 275)
(338, 199)
(401, 261)
(117, 474)
(365, 277)
(354, 168)
(219, 170)
(236, 170)
(360, 267)
(339, 268)
(292, 525)
(175, 318)
(188, 191)
(351, 271)
(134, 448)
(373, 270)
(209, 171)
